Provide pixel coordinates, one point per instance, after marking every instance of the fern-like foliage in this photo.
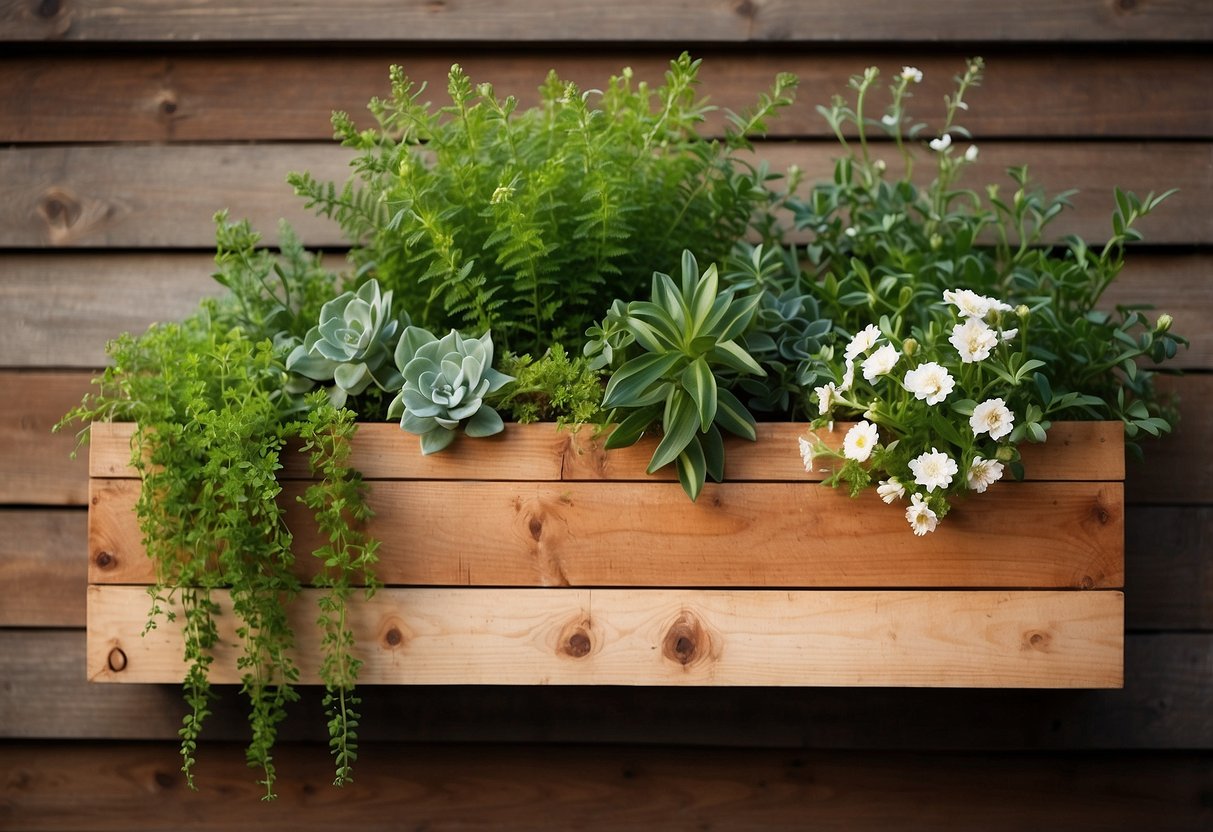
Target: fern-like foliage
(478, 215)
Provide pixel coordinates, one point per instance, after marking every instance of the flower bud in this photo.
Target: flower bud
(880, 165)
(909, 346)
(1164, 323)
(1023, 311)
(1005, 453)
(936, 242)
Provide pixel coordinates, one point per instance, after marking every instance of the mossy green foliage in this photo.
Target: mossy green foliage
(552, 388)
(478, 215)
(213, 417)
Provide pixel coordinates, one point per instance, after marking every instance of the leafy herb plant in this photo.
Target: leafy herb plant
(480, 216)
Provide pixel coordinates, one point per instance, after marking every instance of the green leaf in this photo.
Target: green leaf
(629, 431)
(698, 381)
(692, 469)
(679, 423)
(733, 355)
(703, 298)
(733, 416)
(713, 452)
(631, 380)
(740, 313)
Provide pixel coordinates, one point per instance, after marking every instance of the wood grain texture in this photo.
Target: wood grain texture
(1164, 705)
(41, 568)
(629, 21)
(1176, 470)
(1074, 452)
(175, 96)
(131, 196)
(1170, 583)
(480, 787)
(36, 467)
(665, 637)
(64, 319)
(649, 534)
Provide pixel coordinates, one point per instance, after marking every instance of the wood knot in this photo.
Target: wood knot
(106, 560)
(116, 660)
(164, 780)
(535, 527)
(744, 8)
(59, 209)
(1086, 582)
(1126, 5)
(393, 634)
(168, 104)
(1037, 640)
(686, 641)
(47, 8)
(1101, 514)
(576, 639)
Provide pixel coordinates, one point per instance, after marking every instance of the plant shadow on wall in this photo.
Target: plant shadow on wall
(596, 259)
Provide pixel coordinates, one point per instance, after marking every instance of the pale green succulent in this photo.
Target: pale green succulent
(445, 382)
(351, 346)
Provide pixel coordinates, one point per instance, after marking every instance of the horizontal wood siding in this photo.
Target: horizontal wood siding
(125, 126)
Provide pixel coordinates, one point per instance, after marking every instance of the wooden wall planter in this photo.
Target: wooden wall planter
(535, 557)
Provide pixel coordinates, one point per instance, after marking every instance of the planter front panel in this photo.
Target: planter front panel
(669, 637)
(554, 510)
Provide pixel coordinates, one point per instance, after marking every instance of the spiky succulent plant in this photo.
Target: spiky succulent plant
(445, 382)
(352, 344)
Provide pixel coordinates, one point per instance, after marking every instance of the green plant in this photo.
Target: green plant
(971, 329)
(352, 344)
(687, 335)
(553, 388)
(445, 383)
(480, 216)
(209, 398)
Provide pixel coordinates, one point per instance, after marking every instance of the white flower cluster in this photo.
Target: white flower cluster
(974, 339)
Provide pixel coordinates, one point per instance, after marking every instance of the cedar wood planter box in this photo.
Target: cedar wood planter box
(534, 557)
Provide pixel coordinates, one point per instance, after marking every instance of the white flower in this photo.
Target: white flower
(859, 442)
(890, 490)
(942, 143)
(972, 305)
(933, 469)
(848, 375)
(974, 340)
(930, 382)
(920, 517)
(806, 454)
(971, 153)
(851, 231)
(888, 119)
(983, 473)
(880, 362)
(825, 398)
(912, 73)
(863, 341)
(1008, 334)
(992, 417)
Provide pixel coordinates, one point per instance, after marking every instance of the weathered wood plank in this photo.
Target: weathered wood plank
(63, 320)
(41, 568)
(754, 534)
(1075, 451)
(36, 467)
(1168, 570)
(666, 637)
(1176, 470)
(205, 97)
(1164, 705)
(629, 21)
(131, 196)
(605, 788)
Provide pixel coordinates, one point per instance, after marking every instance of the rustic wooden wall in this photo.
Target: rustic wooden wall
(124, 126)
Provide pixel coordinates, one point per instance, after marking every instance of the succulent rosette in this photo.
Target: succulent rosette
(445, 382)
(351, 346)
